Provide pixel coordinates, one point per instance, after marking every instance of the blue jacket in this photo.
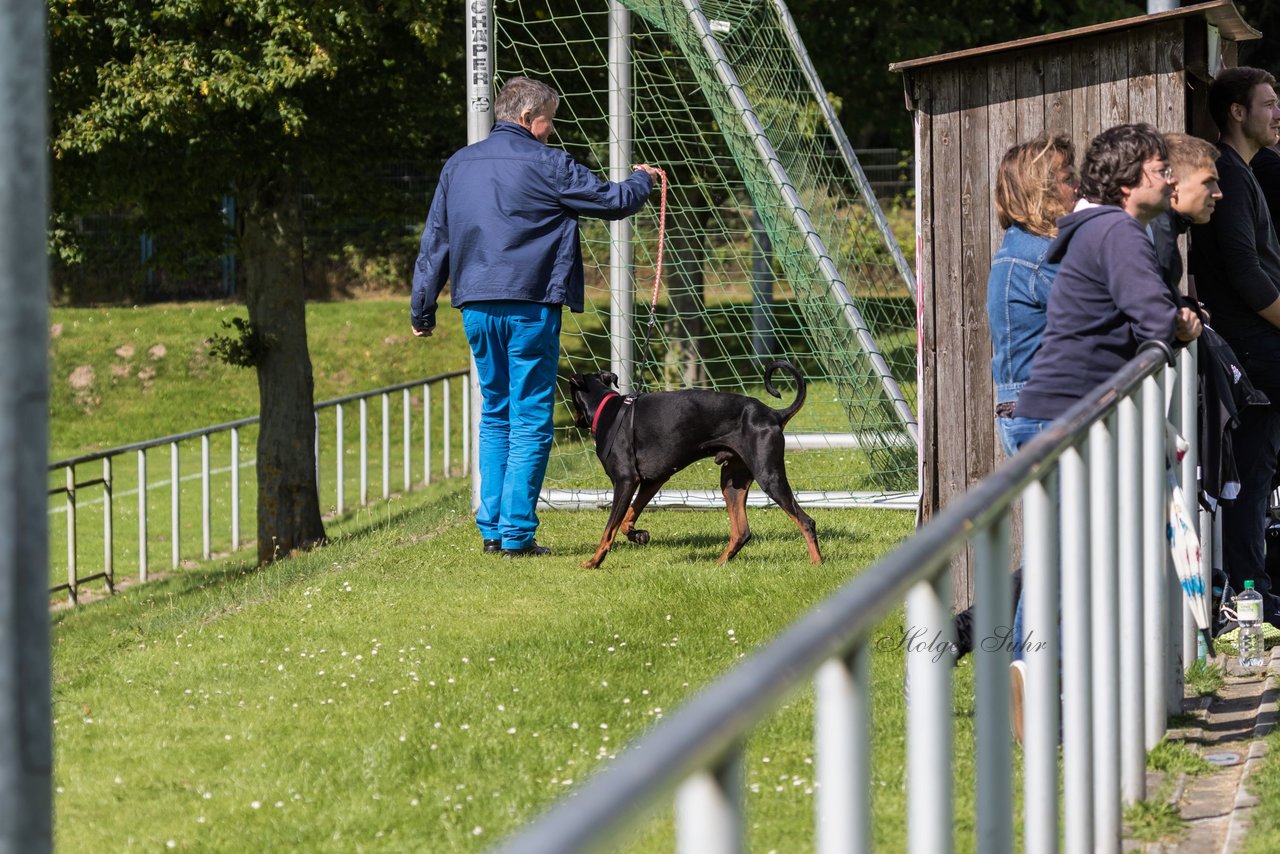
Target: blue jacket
(504, 224)
(1017, 298)
(1107, 299)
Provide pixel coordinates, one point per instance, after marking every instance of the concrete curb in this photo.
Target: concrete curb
(1242, 809)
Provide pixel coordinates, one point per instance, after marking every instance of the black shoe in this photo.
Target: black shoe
(531, 550)
(492, 546)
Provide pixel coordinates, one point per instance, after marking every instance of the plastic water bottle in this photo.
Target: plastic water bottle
(1249, 616)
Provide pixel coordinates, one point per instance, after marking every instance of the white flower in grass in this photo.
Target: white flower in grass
(256, 805)
(207, 795)
(169, 843)
(511, 731)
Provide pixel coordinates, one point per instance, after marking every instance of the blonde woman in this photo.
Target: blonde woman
(1035, 185)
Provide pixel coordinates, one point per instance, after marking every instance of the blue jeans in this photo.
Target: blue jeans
(1014, 433)
(517, 347)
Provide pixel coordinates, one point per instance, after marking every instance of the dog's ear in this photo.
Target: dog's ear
(575, 381)
(609, 379)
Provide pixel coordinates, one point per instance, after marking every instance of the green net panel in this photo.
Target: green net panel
(763, 259)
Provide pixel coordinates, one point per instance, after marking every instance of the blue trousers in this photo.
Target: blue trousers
(1014, 433)
(516, 347)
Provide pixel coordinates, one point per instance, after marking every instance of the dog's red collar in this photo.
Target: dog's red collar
(600, 409)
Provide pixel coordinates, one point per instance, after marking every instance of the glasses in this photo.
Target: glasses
(1165, 173)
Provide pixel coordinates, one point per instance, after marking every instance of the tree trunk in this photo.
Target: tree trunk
(288, 504)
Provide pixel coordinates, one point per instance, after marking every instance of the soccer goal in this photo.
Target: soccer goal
(775, 246)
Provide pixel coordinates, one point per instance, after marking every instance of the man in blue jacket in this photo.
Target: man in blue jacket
(503, 231)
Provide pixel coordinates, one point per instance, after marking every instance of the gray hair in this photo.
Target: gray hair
(520, 94)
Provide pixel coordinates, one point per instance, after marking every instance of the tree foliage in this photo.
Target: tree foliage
(162, 107)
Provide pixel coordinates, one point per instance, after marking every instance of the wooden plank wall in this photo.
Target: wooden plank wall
(969, 114)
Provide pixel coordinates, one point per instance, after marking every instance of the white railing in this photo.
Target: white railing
(1120, 659)
(72, 488)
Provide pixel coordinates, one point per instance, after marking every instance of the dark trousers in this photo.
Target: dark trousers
(1256, 443)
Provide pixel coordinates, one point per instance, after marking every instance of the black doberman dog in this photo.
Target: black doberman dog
(643, 441)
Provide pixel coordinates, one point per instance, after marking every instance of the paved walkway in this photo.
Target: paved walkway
(1231, 731)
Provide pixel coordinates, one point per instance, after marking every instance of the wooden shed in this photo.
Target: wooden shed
(969, 108)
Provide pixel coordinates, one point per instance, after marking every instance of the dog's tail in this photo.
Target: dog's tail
(784, 415)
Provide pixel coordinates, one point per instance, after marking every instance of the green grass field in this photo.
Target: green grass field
(398, 690)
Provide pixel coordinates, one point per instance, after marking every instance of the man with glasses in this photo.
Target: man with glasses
(1235, 259)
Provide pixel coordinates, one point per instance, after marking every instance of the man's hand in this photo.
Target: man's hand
(426, 333)
(651, 171)
(1188, 325)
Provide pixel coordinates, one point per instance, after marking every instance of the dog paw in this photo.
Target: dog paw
(590, 564)
(638, 536)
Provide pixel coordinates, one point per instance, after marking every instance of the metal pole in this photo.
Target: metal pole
(406, 429)
(445, 428)
(72, 549)
(709, 810)
(26, 747)
(142, 514)
(1133, 753)
(929, 736)
(995, 786)
(480, 81)
(1040, 620)
(205, 510)
(800, 217)
(364, 452)
(846, 149)
(1077, 683)
(763, 342)
(175, 536)
(426, 434)
(386, 446)
(108, 529)
(341, 473)
(1105, 666)
(1155, 568)
(621, 252)
(1189, 427)
(235, 488)
(843, 756)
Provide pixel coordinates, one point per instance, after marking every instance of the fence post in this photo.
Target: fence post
(26, 744)
(929, 734)
(405, 441)
(235, 488)
(142, 514)
(364, 453)
(205, 511)
(72, 573)
(386, 446)
(1040, 611)
(1077, 688)
(448, 436)
(709, 809)
(1104, 628)
(991, 666)
(108, 533)
(1133, 753)
(174, 504)
(426, 434)
(842, 764)
(341, 474)
(1155, 558)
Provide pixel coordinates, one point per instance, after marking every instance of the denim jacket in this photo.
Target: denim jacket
(1017, 299)
(504, 224)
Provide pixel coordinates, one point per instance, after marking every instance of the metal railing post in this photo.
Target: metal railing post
(341, 474)
(842, 760)
(991, 673)
(1040, 613)
(929, 734)
(709, 809)
(142, 514)
(466, 428)
(205, 511)
(386, 446)
(71, 533)
(1077, 681)
(1154, 561)
(1133, 753)
(1189, 427)
(175, 486)
(108, 530)
(426, 434)
(405, 441)
(448, 436)
(364, 453)
(1104, 629)
(235, 488)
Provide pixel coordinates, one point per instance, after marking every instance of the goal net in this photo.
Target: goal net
(775, 247)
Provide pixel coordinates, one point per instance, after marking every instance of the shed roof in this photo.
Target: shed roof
(1220, 13)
